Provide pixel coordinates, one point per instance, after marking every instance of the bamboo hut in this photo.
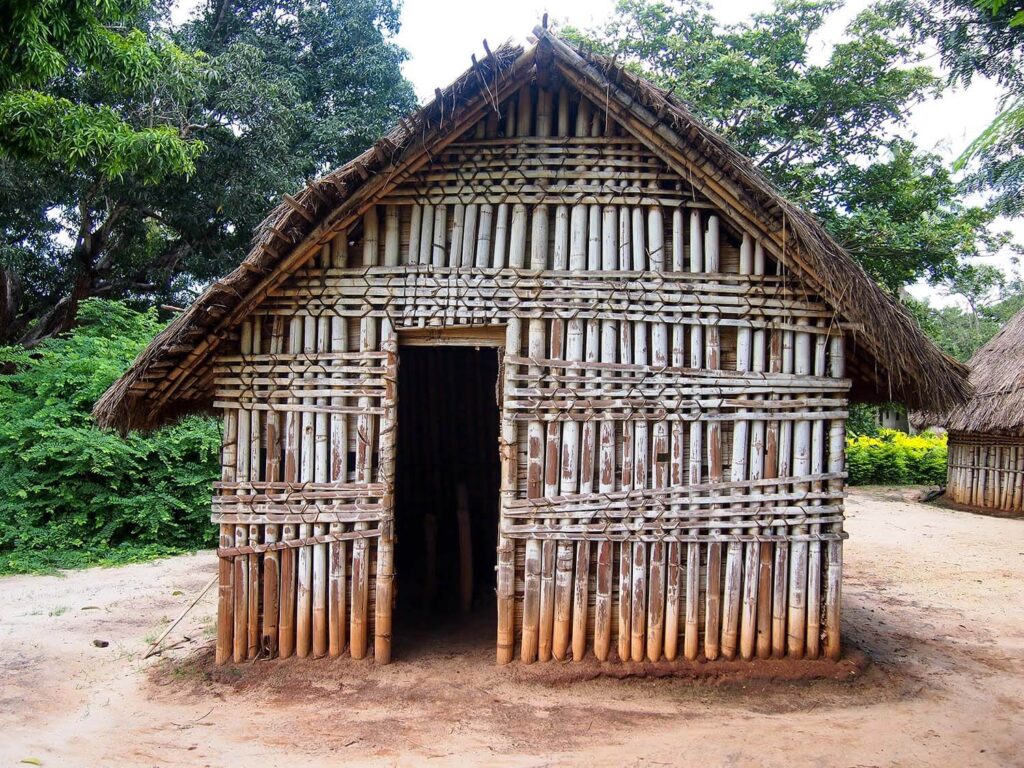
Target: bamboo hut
(986, 435)
(553, 311)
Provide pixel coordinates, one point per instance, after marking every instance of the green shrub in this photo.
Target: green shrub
(896, 458)
(72, 494)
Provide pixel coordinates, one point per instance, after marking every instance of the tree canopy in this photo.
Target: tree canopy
(832, 133)
(186, 140)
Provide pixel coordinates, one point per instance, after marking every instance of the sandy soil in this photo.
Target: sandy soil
(932, 597)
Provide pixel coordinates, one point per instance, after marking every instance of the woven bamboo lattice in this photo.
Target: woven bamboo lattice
(672, 410)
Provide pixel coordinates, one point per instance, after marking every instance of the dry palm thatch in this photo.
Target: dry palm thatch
(892, 358)
(997, 375)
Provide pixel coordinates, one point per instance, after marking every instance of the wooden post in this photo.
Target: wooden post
(365, 440)
(225, 565)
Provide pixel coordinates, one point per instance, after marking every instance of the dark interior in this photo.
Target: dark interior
(447, 440)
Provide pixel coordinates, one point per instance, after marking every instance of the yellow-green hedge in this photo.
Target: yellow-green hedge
(896, 458)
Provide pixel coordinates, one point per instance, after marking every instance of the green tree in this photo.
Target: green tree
(72, 494)
(829, 134)
(982, 38)
(283, 90)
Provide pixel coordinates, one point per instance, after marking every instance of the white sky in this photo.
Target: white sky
(440, 36)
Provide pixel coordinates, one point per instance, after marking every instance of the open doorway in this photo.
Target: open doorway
(447, 485)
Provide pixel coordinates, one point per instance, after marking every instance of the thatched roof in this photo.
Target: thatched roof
(997, 375)
(890, 358)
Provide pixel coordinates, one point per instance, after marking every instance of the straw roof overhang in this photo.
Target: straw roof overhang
(997, 375)
(889, 358)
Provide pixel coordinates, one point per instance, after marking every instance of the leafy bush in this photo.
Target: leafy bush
(72, 494)
(896, 458)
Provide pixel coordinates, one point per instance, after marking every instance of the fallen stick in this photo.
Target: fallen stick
(154, 646)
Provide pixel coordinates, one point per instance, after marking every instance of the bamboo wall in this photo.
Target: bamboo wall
(986, 471)
(673, 406)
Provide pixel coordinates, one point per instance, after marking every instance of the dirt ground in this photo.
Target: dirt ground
(933, 597)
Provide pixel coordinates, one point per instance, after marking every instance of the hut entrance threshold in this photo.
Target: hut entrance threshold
(447, 481)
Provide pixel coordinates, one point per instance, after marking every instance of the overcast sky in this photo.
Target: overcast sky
(440, 36)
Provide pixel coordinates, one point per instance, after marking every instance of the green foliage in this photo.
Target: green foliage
(862, 420)
(960, 333)
(57, 56)
(829, 134)
(896, 458)
(982, 38)
(146, 179)
(72, 494)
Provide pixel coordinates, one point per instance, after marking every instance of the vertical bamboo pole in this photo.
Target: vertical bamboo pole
(627, 478)
(755, 632)
(338, 561)
(782, 465)
(675, 586)
(571, 595)
(501, 237)
(292, 440)
(509, 487)
(391, 236)
(386, 477)
(836, 465)
(691, 638)
(534, 489)
(712, 347)
(638, 620)
(412, 252)
(483, 237)
(241, 562)
(469, 235)
(365, 440)
(517, 249)
(458, 225)
(255, 534)
(606, 484)
(225, 565)
(304, 599)
(660, 455)
(814, 606)
(797, 619)
(272, 474)
(426, 246)
(438, 252)
(321, 473)
(740, 591)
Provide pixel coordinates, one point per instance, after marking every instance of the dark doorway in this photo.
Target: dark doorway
(446, 491)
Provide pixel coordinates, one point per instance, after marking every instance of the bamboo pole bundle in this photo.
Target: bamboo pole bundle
(255, 534)
(797, 618)
(365, 440)
(292, 439)
(691, 637)
(534, 489)
(509, 484)
(836, 465)
(712, 347)
(225, 565)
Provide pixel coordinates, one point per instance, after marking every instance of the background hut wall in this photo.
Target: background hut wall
(672, 461)
(986, 470)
